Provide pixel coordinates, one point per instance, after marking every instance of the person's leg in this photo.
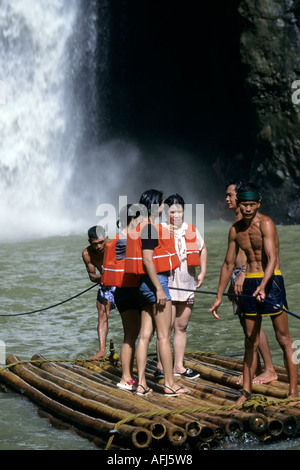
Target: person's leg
(252, 331)
(146, 333)
(131, 325)
(183, 313)
(269, 372)
(172, 325)
(162, 319)
(280, 324)
(102, 327)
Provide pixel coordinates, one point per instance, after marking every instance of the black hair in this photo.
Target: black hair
(96, 232)
(127, 214)
(151, 197)
(248, 187)
(175, 199)
(236, 182)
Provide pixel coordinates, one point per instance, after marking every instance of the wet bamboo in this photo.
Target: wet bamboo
(175, 435)
(275, 427)
(191, 426)
(158, 430)
(98, 441)
(234, 364)
(224, 378)
(256, 421)
(290, 423)
(138, 437)
(71, 397)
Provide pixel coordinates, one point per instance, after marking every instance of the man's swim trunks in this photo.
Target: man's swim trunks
(106, 293)
(275, 293)
(236, 301)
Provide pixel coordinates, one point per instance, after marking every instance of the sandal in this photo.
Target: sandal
(128, 386)
(146, 391)
(175, 393)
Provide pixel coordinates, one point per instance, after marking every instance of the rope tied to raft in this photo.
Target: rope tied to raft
(173, 288)
(51, 306)
(254, 400)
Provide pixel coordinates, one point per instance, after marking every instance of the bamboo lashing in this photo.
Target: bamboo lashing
(84, 393)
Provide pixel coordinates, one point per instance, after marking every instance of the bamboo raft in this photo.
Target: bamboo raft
(84, 395)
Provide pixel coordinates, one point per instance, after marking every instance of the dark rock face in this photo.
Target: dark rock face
(270, 45)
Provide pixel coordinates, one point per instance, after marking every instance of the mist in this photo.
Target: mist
(112, 98)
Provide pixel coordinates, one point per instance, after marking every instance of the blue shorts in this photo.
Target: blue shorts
(275, 293)
(106, 294)
(147, 291)
(127, 298)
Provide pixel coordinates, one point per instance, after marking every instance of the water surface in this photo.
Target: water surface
(39, 273)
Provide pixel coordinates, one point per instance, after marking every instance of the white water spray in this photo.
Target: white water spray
(37, 138)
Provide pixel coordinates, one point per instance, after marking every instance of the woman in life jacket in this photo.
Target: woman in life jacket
(150, 250)
(192, 253)
(126, 293)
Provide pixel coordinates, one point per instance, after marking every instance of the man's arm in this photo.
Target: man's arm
(226, 271)
(269, 234)
(91, 270)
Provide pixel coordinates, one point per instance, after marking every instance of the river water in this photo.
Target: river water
(39, 273)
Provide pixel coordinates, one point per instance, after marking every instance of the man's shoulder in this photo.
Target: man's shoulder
(265, 221)
(86, 255)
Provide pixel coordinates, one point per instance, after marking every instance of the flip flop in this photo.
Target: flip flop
(146, 391)
(128, 386)
(175, 393)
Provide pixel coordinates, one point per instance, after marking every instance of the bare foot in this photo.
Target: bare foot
(241, 400)
(265, 378)
(99, 355)
(239, 380)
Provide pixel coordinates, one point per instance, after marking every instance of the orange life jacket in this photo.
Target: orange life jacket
(192, 247)
(114, 269)
(165, 257)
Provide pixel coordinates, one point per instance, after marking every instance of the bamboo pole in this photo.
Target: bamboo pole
(138, 437)
(71, 398)
(235, 364)
(224, 378)
(176, 435)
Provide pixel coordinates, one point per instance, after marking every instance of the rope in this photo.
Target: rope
(41, 361)
(47, 308)
(237, 295)
(174, 288)
(254, 400)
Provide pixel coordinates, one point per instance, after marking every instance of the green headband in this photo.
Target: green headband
(249, 196)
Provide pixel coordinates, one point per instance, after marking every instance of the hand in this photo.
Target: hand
(161, 297)
(214, 308)
(259, 294)
(200, 280)
(238, 286)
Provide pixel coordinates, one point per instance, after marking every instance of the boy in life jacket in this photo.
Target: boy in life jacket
(183, 281)
(93, 259)
(150, 252)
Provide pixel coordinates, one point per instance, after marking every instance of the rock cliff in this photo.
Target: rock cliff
(270, 45)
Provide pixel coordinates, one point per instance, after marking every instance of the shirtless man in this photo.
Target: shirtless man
(256, 235)
(237, 281)
(93, 259)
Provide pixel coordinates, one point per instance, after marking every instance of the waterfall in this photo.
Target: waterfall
(38, 122)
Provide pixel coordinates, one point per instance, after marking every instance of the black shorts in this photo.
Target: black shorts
(127, 298)
(275, 293)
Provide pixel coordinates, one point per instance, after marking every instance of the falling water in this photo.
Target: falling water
(38, 119)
